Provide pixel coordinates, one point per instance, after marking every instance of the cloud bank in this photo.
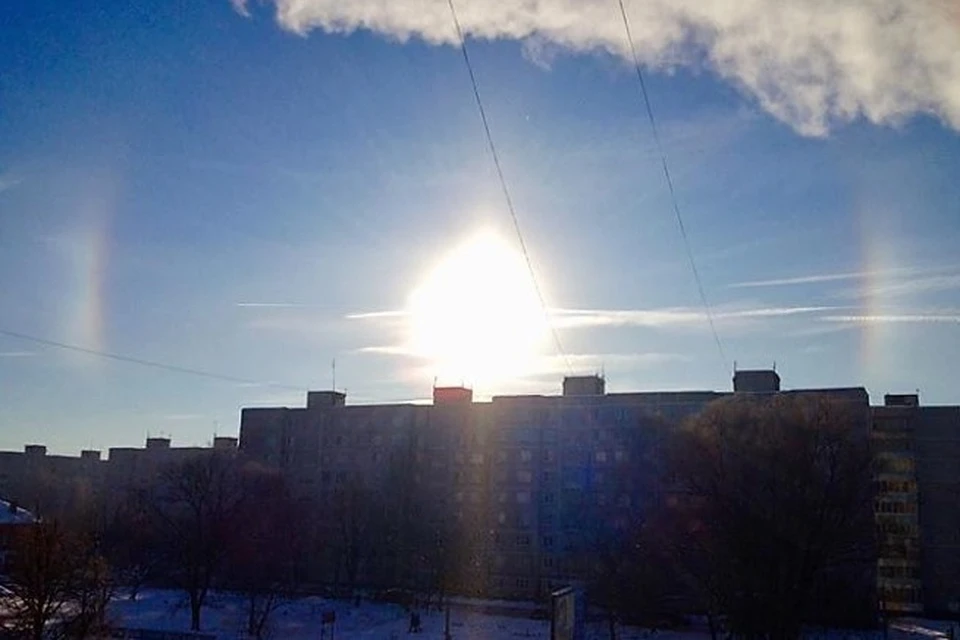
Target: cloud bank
(810, 63)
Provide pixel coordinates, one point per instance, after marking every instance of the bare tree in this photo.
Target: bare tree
(41, 577)
(192, 510)
(130, 541)
(91, 592)
(776, 499)
(265, 547)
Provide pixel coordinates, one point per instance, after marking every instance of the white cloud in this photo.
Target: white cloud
(377, 315)
(912, 318)
(811, 279)
(675, 317)
(810, 63)
(388, 350)
(913, 286)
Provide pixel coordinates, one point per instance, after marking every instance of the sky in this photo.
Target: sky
(204, 205)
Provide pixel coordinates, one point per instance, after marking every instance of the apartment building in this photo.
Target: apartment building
(533, 484)
(918, 505)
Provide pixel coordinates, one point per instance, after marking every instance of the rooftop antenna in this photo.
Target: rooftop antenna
(774, 365)
(734, 366)
(333, 370)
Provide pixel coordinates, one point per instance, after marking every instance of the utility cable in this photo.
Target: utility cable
(503, 185)
(670, 187)
(146, 363)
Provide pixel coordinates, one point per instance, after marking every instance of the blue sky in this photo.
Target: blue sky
(245, 190)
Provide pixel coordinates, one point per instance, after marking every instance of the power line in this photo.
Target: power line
(146, 363)
(503, 184)
(670, 187)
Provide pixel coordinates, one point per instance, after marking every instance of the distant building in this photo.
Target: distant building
(52, 485)
(918, 505)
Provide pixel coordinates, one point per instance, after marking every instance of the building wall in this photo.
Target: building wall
(937, 438)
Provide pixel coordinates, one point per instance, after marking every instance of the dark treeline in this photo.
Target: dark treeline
(756, 513)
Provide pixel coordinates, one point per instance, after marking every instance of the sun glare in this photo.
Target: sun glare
(476, 316)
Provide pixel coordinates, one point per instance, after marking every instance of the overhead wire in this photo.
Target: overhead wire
(143, 362)
(670, 187)
(503, 185)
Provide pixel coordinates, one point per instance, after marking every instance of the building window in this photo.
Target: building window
(523, 497)
(600, 456)
(548, 455)
(476, 458)
(523, 541)
(502, 517)
(548, 562)
(548, 497)
(548, 541)
(546, 476)
(525, 455)
(620, 455)
(524, 477)
(458, 496)
(339, 440)
(501, 456)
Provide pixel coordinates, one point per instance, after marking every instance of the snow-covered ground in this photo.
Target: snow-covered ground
(300, 620)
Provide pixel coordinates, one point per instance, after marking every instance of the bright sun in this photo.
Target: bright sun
(476, 317)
